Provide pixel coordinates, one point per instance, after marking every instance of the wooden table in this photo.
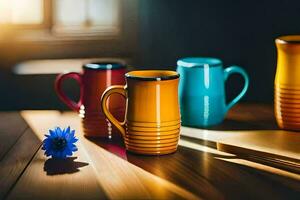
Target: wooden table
(246, 157)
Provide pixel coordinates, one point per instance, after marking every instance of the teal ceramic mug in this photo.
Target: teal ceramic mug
(202, 90)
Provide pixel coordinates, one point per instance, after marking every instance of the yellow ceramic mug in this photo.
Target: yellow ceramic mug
(152, 121)
(288, 62)
(287, 82)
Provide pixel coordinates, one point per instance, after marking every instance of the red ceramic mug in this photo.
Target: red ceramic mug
(93, 80)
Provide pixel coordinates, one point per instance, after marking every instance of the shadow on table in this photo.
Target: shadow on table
(63, 166)
(117, 147)
(205, 173)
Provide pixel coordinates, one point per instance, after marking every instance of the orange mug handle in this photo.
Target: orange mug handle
(119, 89)
(63, 97)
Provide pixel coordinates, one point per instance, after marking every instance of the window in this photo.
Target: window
(19, 12)
(63, 17)
(86, 16)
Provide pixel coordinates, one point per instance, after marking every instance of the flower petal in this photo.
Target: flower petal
(58, 132)
(63, 154)
(70, 135)
(74, 140)
(69, 152)
(57, 154)
(74, 149)
(64, 133)
(52, 133)
(67, 130)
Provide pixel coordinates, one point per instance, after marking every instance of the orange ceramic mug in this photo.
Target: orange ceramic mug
(152, 119)
(93, 80)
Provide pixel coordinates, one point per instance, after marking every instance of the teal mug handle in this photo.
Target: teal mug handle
(232, 70)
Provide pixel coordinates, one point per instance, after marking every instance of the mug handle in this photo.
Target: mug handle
(119, 89)
(63, 97)
(235, 69)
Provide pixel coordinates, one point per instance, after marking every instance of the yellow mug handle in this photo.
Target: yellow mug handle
(119, 89)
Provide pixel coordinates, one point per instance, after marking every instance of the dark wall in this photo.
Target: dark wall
(238, 32)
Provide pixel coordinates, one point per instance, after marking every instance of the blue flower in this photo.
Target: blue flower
(60, 143)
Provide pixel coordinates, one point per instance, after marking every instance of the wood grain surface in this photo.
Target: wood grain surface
(18, 145)
(102, 169)
(16, 160)
(12, 126)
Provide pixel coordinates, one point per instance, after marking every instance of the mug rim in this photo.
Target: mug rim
(145, 75)
(103, 66)
(288, 39)
(199, 62)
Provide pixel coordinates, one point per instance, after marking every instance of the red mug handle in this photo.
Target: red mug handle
(64, 98)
